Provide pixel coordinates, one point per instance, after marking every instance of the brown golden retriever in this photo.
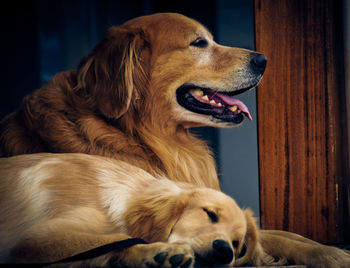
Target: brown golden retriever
(53, 206)
(134, 99)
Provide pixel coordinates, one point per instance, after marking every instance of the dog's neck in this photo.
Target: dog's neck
(183, 156)
(170, 150)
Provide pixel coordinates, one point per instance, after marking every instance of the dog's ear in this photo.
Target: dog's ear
(251, 252)
(152, 215)
(107, 77)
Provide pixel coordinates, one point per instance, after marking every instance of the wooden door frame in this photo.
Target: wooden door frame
(303, 156)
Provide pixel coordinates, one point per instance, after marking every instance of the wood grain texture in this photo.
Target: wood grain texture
(301, 119)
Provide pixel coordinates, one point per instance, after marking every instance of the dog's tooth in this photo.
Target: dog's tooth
(234, 108)
(219, 104)
(212, 102)
(205, 97)
(198, 92)
(239, 111)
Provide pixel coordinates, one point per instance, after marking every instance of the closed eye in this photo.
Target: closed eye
(199, 42)
(212, 215)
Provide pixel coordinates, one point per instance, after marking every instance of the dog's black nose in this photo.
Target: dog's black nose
(222, 252)
(259, 62)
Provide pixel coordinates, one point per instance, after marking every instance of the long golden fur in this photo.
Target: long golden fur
(134, 99)
(53, 206)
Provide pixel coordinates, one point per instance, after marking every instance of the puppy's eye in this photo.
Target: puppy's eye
(212, 215)
(199, 42)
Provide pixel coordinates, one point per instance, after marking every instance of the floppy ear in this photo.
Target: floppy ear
(152, 215)
(251, 252)
(106, 77)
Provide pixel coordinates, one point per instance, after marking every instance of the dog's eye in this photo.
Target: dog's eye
(199, 42)
(212, 215)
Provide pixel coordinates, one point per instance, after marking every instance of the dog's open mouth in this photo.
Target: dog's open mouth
(217, 104)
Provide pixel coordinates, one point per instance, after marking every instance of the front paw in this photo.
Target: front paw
(156, 255)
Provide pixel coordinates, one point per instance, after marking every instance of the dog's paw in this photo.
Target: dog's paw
(154, 255)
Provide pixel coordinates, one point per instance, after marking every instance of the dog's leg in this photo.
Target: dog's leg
(59, 239)
(290, 235)
(158, 254)
(299, 250)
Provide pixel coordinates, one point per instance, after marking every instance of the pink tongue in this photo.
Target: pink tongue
(231, 102)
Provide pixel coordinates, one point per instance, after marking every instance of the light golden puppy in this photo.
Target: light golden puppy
(54, 206)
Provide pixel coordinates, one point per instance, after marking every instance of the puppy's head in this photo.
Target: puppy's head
(216, 228)
(219, 232)
(168, 67)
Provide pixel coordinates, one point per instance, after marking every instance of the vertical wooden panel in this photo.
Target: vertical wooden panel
(302, 139)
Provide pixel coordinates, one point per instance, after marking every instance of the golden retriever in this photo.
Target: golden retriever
(134, 99)
(53, 206)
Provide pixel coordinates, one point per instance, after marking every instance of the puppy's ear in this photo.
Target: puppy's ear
(251, 252)
(106, 77)
(152, 215)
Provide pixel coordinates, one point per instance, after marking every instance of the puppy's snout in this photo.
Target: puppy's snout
(258, 62)
(222, 252)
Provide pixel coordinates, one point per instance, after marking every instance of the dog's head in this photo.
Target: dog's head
(219, 232)
(166, 68)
